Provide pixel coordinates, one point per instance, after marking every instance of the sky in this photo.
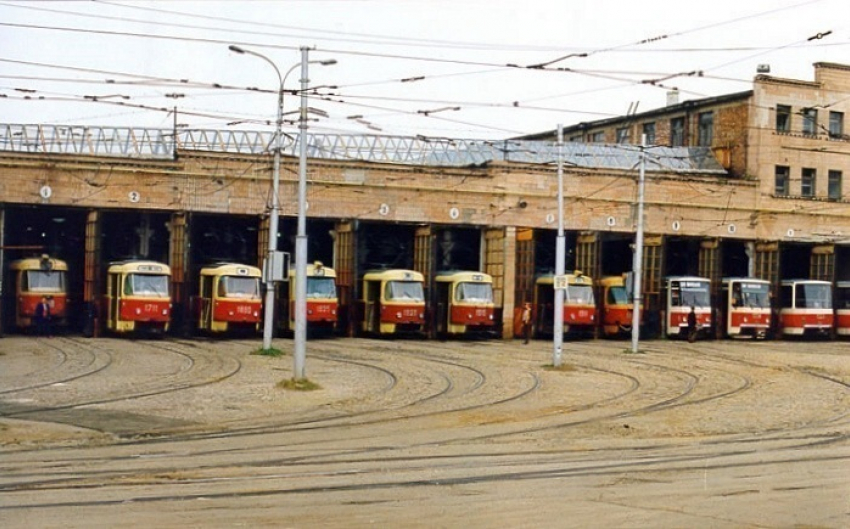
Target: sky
(465, 69)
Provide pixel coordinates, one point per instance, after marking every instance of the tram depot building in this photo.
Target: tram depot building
(743, 184)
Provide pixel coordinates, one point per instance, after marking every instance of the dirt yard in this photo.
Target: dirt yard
(167, 433)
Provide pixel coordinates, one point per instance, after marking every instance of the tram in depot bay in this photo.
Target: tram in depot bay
(464, 304)
(138, 297)
(842, 308)
(616, 306)
(579, 304)
(681, 294)
(321, 299)
(745, 308)
(229, 298)
(805, 308)
(36, 278)
(393, 302)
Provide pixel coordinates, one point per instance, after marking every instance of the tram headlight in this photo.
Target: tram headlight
(398, 315)
(138, 311)
(469, 316)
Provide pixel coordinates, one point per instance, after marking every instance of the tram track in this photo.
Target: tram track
(369, 450)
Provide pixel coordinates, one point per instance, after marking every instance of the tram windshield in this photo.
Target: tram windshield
(814, 296)
(404, 291)
(321, 288)
(44, 281)
(618, 296)
(239, 287)
(481, 292)
(146, 285)
(690, 294)
(579, 294)
(751, 295)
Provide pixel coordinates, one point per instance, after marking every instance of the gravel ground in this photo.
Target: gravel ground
(406, 433)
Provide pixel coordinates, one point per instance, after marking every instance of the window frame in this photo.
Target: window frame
(705, 129)
(808, 182)
(810, 121)
(783, 190)
(677, 132)
(783, 119)
(835, 182)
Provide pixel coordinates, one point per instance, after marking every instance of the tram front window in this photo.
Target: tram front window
(480, 292)
(755, 296)
(404, 291)
(42, 281)
(693, 297)
(239, 287)
(321, 288)
(618, 296)
(814, 297)
(146, 285)
(580, 294)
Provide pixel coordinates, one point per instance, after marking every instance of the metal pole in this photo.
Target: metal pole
(560, 258)
(301, 235)
(637, 264)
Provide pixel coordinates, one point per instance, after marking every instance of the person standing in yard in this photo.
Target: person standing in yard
(42, 317)
(526, 322)
(692, 326)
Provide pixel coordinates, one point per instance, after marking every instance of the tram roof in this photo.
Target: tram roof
(393, 274)
(234, 269)
(137, 142)
(463, 275)
(142, 267)
(36, 263)
(316, 270)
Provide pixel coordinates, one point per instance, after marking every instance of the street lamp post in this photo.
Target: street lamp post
(268, 316)
(301, 234)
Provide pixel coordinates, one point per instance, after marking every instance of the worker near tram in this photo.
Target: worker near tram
(42, 317)
(692, 325)
(526, 322)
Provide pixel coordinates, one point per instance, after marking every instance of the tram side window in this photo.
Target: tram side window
(786, 298)
(736, 295)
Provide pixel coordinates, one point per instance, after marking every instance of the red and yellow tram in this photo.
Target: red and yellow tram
(229, 298)
(617, 313)
(138, 297)
(579, 304)
(464, 304)
(36, 278)
(321, 299)
(393, 302)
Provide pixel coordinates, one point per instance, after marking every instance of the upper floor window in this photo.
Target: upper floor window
(677, 132)
(577, 138)
(808, 182)
(598, 137)
(836, 124)
(783, 179)
(623, 135)
(783, 118)
(835, 185)
(810, 121)
(705, 125)
(649, 132)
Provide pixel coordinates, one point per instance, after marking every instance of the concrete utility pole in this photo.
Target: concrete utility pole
(637, 264)
(560, 258)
